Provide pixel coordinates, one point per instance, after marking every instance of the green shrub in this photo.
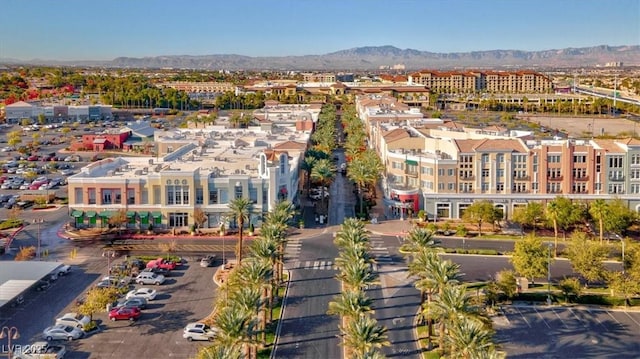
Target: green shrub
(11, 223)
(172, 258)
(461, 230)
(488, 252)
(90, 326)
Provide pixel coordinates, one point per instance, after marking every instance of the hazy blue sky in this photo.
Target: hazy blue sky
(105, 29)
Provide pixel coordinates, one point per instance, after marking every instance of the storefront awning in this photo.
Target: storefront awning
(76, 214)
(156, 214)
(131, 214)
(411, 162)
(107, 214)
(91, 214)
(144, 214)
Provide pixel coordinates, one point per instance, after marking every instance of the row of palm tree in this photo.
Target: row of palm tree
(464, 329)
(243, 310)
(361, 335)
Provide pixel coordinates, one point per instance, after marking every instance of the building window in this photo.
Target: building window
(634, 174)
(224, 196)
(635, 159)
(635, 188)
(451, 186)
(450, 172)
(500, 172)
(156, 195)
(131, 196)
(117, 196)
(500, 158)
(615, 162)
(253, 194)
(616, 188)
(144, 194)
(553, 158)
(500, 187)
(485, 158)
(440, 171)
(199, 195)
(485, 173)
(484, 186)
(440, 186)
(237, 192)
(396, 165)
(78, 195)
(213, 196)
(178, 220)
(579, 158)
(107, 196)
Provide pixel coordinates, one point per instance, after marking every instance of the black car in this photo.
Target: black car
(157, 270)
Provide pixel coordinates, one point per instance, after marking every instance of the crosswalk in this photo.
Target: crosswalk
(379, 251)
(314, 265)
(292, 250)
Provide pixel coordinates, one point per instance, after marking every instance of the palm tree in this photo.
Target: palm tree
(250, 299)
(219, 351)
(453, 304)
(256, 273)
(240, 209)
(469, 339)
(323, 172)
(418, 239)
(266, 249)
(234, 327)
(363, 335)
(598, 211)
(278, 219)
(361, 174)
(307, 167)
(357, 275)
(351, 232)
(350, 304)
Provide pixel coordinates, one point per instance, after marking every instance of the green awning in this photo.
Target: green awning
(91, 214)
(76, 214)
(107, 214)
(144, 214)
(131, 214)
(411, 162)
(156, 214)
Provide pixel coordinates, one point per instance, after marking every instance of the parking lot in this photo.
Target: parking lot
(186, 296)
(529, 331)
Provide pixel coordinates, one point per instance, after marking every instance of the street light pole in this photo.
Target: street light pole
(549, 274)
(10, 333)
(622, 241)
(38, 222)
(109, 254)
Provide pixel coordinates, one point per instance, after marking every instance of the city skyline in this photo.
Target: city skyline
(104, 30)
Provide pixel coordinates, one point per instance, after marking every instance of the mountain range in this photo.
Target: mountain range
(374, 57)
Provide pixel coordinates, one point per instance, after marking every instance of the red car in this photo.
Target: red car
(161, 263)
(33, 158)
(124, 313)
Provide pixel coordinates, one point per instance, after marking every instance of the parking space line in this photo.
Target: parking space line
(616, 320)
(541, 317)
(633, 320)
(598, 320)
(560, 319)
(523, 317)
(578, 319)
(504, 314)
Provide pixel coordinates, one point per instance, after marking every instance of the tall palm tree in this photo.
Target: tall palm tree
(363, 335)
(452, 305)
(258, 274)
(598, 211)
(357, 275)
(250, 299)
(219, 351)
(469, 339)
(417, 239)
(324, 173)
(279, 219)
(307, 167)
(352, 231)
(240, 209)
(350, 304)
(234, 326)
(361, 174)
(266, 249)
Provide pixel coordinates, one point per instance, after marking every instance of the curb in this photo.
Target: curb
(279, 326)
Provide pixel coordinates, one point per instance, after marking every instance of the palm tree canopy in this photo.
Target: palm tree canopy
(417, 239)
(350, 303)
(469, 338)
(363, 334)
(239, 209)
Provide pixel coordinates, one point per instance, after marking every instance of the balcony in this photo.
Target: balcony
(617, 179)
(557, 178)
(411, 173)
(521, 178)
(467, 178)
(581, 179)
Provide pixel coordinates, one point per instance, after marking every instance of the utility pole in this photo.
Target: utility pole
(38, 222)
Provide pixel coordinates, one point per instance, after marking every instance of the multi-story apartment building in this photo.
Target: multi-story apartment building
(482, 81)
(443, 167)
(203, 168)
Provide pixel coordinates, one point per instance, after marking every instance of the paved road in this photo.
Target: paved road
(562, 332)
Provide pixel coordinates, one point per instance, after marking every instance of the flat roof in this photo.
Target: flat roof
(16, 277)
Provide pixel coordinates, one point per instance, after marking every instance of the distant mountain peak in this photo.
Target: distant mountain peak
(373, 57)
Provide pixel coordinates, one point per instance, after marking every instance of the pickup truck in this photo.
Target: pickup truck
(39, 350)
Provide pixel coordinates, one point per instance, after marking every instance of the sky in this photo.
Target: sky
(106, 29)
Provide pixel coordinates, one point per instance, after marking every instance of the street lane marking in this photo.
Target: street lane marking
(541, 317)
(316, 264)
(616, 320)
(504, 314)
(307, 264)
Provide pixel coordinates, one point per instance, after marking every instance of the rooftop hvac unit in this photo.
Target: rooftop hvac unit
(110, 173)
(151, 161)
(138, 172)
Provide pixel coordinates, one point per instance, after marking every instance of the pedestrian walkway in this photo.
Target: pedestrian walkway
(314, 265)
(379, 251)
(292, 250)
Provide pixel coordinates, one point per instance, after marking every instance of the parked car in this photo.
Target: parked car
(207, 261)
(161, 263)
(150, 278)
(124, 313)
(74, 320)
(198, 331)
(134, 302)
(146, 293)
(157, 270)
(62, 332)
(39, 350)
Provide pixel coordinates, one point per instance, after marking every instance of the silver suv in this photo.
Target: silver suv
(149, 278)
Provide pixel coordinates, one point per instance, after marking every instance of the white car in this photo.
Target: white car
(198, 331)
(62, 332)
(146, 293)
(73, 320)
